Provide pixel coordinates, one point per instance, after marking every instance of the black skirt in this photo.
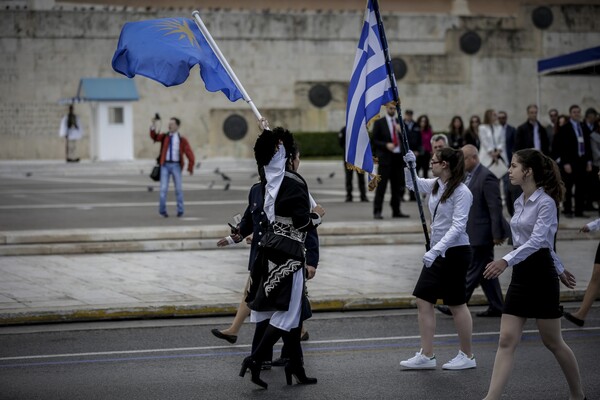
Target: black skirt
(534, 290)
(446, 279)
(597, 259)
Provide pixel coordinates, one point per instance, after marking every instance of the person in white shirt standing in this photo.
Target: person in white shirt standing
(171, 159)
(445, 266)
(534, 288)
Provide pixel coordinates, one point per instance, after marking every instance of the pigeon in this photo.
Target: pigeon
(211, 184)
(226, 186)
(319, 180)
(331, 175)
(198, 165)
(28, 174)
(150, 189)
(217, 171)
(225, 177)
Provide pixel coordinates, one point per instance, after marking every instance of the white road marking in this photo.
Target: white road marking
(242, 346)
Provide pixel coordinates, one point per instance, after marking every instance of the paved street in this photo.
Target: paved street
(58, 196)
(354, 356)
(197, 282)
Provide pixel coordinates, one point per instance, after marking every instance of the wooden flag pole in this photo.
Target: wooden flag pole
(223, 60)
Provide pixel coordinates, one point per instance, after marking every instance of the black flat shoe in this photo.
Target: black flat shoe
(280, 362)
(400, 216)
(250, 364)
(569, 317)
(443, 309)
(230, 338)
(304, 337)
(300, 375)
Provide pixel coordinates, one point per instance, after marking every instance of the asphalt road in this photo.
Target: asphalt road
(354, 356)
(98, 197)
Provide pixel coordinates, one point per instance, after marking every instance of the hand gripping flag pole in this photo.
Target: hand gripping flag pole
(412, 166)
(223, 60)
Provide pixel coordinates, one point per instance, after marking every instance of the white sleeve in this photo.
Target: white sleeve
(460, 214)
(424, 185)
(594, 225)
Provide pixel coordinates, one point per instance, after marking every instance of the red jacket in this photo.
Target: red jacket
(184, 148)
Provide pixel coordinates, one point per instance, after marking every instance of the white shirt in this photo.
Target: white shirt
(491, 141)
(594, 225)
(533, 226)
(537, 143)
(449, 225)
(392, 125)
(174, 144)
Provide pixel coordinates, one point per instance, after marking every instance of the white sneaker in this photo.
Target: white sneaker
(461, 361)
(419, 361)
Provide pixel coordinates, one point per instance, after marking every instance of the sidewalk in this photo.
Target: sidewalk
(198, 283)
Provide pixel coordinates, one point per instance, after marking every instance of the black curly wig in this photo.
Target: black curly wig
(266, 145)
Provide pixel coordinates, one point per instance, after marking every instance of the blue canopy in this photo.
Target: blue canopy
(107, 89)
(586, 62)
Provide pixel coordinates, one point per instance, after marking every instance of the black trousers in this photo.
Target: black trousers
(593, 193)
(392, 172)
(575, 181)
(482, 256)
(361, 182)
(423, 163)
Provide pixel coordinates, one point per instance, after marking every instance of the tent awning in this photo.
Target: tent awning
(107, 89)
(585, 62)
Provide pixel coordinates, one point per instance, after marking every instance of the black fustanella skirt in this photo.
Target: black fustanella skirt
(534, 290)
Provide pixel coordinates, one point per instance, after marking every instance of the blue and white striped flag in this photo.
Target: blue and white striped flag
(369, 90)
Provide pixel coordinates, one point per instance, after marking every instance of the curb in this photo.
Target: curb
(404, 301)
(21, 244)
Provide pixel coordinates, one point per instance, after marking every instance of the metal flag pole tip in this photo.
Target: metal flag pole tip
(223, 60)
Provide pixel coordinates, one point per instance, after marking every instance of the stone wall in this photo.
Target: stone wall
(280, 57)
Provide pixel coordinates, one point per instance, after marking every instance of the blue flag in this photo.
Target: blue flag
(165, 50)
(369, 89)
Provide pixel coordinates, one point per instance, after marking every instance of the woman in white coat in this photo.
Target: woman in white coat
(492, 152)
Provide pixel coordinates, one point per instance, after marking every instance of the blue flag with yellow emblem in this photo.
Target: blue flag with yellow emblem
(165, 50)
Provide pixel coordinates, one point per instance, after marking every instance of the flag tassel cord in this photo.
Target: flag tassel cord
(374, 179)
(215, 48)
(405, 148)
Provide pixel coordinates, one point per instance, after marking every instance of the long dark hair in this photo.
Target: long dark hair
(456, 161)
(461, 129)
(545, 172)
(266, 146)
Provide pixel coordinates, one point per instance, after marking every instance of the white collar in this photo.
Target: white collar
(274, 172)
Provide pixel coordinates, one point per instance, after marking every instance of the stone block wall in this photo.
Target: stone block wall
(280, 56)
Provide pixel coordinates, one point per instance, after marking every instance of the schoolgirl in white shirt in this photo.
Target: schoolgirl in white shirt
(534, 287)
(445, 266)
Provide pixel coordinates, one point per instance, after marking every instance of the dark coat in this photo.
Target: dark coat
(565, 147)
(381, 137)
(255, 223)
(486, 221)
(510, 135)
(279, 257)
(524, 138)
(413, 135)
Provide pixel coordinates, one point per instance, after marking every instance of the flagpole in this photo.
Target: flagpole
(221, 57)
(405, 148)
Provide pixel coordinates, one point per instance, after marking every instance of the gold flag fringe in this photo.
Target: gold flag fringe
(374, 179)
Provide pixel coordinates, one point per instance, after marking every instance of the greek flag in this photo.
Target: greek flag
(369, 90)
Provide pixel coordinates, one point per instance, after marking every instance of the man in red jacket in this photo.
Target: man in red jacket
(173, 148)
